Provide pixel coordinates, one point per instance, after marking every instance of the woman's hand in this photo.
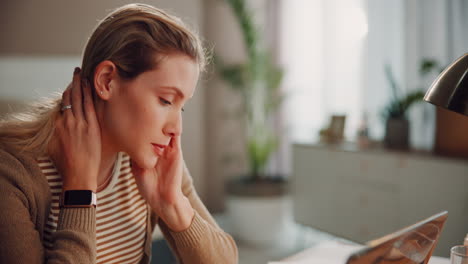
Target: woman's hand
(162, 187)
(76, 145)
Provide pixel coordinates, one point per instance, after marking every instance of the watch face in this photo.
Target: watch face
(78, 197)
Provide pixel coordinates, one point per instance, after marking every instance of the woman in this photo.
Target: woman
(113, 139)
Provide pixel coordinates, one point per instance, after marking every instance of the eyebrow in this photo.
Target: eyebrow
(173, 88)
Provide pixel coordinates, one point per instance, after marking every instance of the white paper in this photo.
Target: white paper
(330, 252)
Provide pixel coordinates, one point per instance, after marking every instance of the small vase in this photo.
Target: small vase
(397, 134)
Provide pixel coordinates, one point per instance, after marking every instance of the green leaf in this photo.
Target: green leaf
(392, 81)
(260, 147)
(235, 75)
(258, 72)
(399, 108)
(245, 20)
(428, 65)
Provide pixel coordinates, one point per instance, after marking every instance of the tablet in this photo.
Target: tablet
(411, 245)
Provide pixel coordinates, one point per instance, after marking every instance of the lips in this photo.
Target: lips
(158, 149)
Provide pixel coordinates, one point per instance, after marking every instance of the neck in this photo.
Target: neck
(108, 150)
(108, 158)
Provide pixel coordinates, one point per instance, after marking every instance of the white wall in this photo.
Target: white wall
(29, 77)
(224, 134)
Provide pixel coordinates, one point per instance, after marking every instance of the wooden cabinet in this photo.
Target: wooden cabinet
(362, 195)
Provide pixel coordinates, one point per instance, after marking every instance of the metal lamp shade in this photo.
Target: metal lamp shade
(450, 89)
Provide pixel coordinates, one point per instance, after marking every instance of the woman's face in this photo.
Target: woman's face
(148, 109)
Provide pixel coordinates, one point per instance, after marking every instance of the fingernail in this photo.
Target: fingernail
(76, 70)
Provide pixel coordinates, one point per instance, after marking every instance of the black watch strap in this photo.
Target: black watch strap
(78, 198)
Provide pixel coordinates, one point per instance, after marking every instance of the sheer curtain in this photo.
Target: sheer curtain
(432, 29)
(403, 34)
(334, 53)
(321, 50)
(320, 46)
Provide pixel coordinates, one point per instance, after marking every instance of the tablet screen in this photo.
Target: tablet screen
(411, 245)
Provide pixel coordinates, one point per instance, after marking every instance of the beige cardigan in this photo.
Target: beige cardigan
(25, 203)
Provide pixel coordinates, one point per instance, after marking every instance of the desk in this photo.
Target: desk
(300, 238)
(333, 252)
(439, 260)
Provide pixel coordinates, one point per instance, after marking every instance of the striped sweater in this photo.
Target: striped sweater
(120, 213)
(27, 204)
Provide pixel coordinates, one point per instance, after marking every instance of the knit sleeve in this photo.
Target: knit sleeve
(203, 242)
(75, 238)
(74, 241)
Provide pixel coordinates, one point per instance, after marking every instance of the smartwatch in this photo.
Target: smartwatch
(78, 198)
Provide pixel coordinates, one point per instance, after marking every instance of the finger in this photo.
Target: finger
(176, 148)
(66, 97)
(177, 143)
(171, 147)
(88, 104)
(66, 101)
(176, 157)
(76, 98)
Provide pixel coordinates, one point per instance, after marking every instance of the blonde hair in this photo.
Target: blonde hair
(133, 37)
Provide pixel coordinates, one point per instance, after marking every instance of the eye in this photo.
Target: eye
(164, 101)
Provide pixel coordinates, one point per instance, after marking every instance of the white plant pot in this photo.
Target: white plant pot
(261, 221)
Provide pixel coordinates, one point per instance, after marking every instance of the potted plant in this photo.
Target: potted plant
(257, 202)
(395, 113)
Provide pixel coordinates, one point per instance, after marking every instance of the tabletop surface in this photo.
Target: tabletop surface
(300, 238)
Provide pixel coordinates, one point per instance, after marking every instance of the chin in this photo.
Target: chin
(145, 160)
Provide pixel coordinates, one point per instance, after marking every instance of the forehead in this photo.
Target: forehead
(176, 71)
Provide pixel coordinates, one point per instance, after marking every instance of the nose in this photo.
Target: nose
(173, 126)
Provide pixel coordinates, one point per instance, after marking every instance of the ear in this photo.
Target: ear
(105, 77)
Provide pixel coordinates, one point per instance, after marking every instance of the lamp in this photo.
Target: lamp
(450, 89)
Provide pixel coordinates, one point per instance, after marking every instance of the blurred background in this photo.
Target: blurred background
(309, 123)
